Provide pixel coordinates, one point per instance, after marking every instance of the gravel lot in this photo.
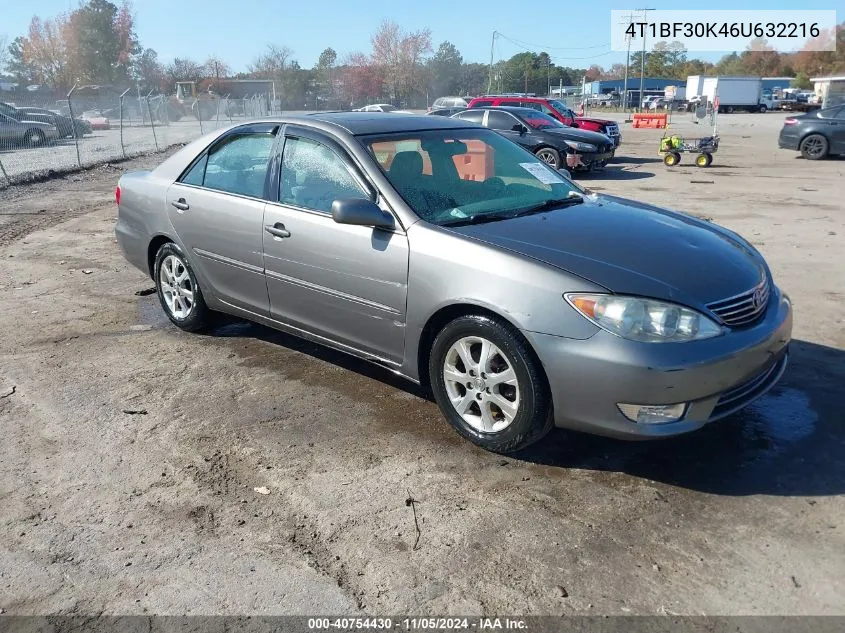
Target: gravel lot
(131, 450)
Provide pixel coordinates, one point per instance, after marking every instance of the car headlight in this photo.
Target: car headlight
(581, 147)
(644, 320)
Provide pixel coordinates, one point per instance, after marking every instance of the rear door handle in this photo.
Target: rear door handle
(277, 230)
(181, 204)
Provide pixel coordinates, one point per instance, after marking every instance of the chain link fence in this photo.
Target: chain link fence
(40, 135)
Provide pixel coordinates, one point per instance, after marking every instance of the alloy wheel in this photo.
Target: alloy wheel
(481, 384)
(813, 147)
(177, 287)
(547, 157)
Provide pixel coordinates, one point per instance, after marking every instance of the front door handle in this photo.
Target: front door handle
(181, 204)
(277, 230)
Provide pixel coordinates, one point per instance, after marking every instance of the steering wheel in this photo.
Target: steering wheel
(496, 185)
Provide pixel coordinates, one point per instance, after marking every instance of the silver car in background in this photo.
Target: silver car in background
(451, 256)
(29, 133)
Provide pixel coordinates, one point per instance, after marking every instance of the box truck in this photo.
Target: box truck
(737, 93)
(694, 83)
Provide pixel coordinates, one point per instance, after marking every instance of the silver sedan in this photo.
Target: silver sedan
(453, 257)
(23, 132)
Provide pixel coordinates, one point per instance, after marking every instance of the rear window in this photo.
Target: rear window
(482, 104)
(531, 104)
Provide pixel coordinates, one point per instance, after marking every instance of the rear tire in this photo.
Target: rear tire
(814, 147)
(704, 160)
(178, 290)
(478, 363)
(549, 156)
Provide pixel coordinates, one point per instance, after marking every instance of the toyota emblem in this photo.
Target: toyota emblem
(757, 298)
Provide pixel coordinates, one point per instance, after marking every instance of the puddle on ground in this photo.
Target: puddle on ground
(778, 419)
(150, 313)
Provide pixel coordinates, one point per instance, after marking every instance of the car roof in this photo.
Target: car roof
(511, 98)
(358, 123)
(513, 110)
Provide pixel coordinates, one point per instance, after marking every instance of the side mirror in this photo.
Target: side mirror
(362, 212)
(519, 128)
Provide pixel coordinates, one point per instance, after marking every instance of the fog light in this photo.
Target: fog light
(653, 414)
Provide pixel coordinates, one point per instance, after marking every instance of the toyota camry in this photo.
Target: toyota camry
(453, 257)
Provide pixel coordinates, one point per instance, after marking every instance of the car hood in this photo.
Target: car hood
(590, 119)
(575, 134)
(632, 248)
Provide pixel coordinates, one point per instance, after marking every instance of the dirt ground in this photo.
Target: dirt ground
(131, 450)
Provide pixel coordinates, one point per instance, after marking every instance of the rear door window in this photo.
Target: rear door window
(476, 116)
(500, 120)
(236, 165)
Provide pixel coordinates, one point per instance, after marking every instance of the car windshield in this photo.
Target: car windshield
(387, 108)
(540, 121)
(463, 176)
(557, 105)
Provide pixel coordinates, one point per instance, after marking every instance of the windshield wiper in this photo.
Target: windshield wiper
(480, 218)
(549, 205)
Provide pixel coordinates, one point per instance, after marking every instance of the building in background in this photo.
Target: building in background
(611, 86)
(830, 91)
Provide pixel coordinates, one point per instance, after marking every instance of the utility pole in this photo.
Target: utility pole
(549, 76)
(490, 73)
(527, 66)
(627, 64)
(642, 61)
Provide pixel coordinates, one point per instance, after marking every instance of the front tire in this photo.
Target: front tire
(814, 147)
(178, 290)
(35, 138)
(763, 108)
(489, 384)
(670, 159)
(549, 156)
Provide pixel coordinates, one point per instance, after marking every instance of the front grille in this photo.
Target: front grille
(742, 309)
(738, 397)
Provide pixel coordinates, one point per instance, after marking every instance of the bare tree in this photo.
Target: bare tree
(215, 67)
(400, 56)
(273, 63)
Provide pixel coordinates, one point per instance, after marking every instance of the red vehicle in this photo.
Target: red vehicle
(553, 108)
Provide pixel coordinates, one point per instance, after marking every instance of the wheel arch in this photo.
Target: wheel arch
(545, 145)
(811, 133)
(445, 314)
(152, 249)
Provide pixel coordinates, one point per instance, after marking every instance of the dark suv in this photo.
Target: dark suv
(555, 109)
(558, 145)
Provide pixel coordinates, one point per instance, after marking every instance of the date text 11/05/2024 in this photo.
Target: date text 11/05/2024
(417, 624)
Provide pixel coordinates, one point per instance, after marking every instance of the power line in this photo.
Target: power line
(554, 57)
(557, 48)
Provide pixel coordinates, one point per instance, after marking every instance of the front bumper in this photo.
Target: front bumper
(585, 160)
(716, 377)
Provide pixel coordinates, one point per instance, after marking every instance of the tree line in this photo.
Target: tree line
(97, 44)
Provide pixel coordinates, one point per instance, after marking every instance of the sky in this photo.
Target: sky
(574, 33)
